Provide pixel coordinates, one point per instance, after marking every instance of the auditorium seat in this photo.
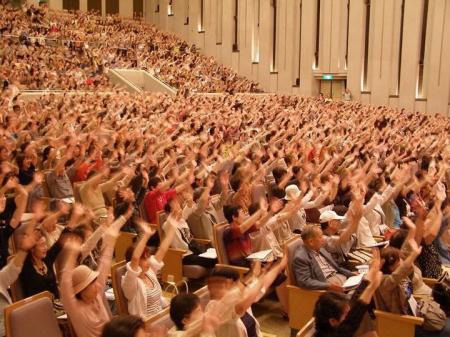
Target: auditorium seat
(222, 255)
(394, 325)
(117, 271)
(18, 322)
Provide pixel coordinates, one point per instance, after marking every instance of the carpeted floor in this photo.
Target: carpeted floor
(268, 313)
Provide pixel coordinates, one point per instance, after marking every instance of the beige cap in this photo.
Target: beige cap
(292, 192)
(82, 276)
(330, 215)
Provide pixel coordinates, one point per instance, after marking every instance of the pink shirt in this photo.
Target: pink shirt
(88, 319)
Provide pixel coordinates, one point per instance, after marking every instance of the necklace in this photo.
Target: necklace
(41, 270)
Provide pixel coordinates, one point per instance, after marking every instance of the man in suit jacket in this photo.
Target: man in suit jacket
(313, 266)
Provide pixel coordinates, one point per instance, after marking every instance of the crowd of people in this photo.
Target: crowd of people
(42, 49)
(76, 170)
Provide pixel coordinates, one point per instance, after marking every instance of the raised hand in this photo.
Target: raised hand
(440, 191)
(145, 228)
(408, 222)
(415, 249)
(224, 178)
(374, 275)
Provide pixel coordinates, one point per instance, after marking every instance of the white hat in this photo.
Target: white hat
(330, 215)
(292, 192)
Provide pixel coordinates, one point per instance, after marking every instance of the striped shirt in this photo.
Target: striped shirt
(153, 295)
(327, 269)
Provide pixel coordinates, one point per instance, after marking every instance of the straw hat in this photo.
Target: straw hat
(82, 276)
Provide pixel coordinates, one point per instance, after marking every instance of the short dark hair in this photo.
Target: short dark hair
(148, 251)
(230, 212)
(329, 305)
(324, 225)
(277, 192)
(181, 306)
(389, 257)
(278, 173)
(398, 238)
(153, 182)
(123, 326)
(253, 208)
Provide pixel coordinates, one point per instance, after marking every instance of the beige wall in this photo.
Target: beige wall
(296, 44)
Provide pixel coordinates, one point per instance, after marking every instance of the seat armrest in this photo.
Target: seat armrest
(241, 270)
(430, 281)
(204, 242)
(399, 318)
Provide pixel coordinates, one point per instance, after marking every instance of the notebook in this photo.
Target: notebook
(262, 255)
(353, 282)
(209, 254)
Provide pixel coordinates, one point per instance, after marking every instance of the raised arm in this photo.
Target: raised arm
(109, 240)
(203, 200)
(166, 242)
(95, 180)
(146, 233)
(11, 271)
(434, 220)
(353, 216)
(21, 201)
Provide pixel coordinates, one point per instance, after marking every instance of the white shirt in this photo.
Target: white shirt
(135, 290)
(182, 235)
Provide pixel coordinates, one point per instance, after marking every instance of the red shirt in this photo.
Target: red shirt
(237, 244)
(154, 201)
(84, 169)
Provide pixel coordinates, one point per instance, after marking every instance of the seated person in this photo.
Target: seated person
(140, 284)
(313, 266)
(336, 316)
(37, 274)
(183, 238)
(238, 242)
(237, 239)
(160, 193)
(82, 288)
(400, 239)
(188, 317)
(395, 292)
(224, 285)
(58, 182)
(204, 216)
(340, 241)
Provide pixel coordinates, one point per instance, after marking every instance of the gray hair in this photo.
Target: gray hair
(309, 232)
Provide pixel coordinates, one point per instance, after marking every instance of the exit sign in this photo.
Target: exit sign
(327, 77)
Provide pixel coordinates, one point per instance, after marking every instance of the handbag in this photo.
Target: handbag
(441, 292)
(434, 317)
(196, 247)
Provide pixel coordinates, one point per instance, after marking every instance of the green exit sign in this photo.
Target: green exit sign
(327, 77)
